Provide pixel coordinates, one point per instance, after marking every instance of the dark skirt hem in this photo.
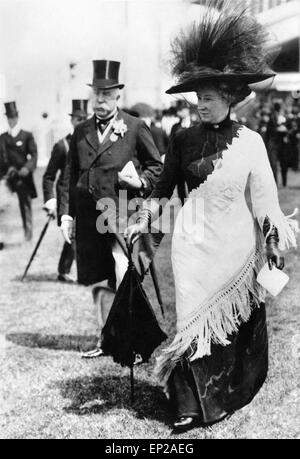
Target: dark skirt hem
(227, 380)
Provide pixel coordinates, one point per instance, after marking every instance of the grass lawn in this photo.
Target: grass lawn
(48, 391)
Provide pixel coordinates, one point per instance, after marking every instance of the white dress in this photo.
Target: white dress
(217, 249)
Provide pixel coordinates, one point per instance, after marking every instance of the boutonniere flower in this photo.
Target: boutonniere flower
(119, 129)
(19, 143)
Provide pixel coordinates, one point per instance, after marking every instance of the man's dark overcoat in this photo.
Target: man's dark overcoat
(18, 152)
(91, 174)
(56, 165)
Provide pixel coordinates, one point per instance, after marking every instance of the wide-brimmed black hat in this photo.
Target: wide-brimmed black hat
(11, 109)
(228, 45)
(191, 84)
(106, 75)
(79, 108)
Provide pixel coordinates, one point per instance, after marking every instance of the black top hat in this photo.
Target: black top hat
(79, 108)
(11, 109)
(106, 75)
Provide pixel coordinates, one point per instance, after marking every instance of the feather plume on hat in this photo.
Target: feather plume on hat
(227, 44)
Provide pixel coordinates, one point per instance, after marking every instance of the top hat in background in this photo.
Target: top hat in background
(106, 75)
(79, 108)
(11, 109)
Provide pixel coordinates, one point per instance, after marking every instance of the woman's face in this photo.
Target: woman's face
(213, 108)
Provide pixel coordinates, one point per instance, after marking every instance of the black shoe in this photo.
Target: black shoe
(1, 246)
(65, 278)
(185, 423)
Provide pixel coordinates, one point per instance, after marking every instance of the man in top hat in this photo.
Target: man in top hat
(57, 166)
(99, 150)
(19, 151)
(2, 174)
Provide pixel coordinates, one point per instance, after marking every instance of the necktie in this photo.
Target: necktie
(102, 123)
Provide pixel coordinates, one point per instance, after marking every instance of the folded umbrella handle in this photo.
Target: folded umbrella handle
(130, 251)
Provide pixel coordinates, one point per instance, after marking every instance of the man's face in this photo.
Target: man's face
(104, 101)
(213, 108)
(12, 122)
(75, 120)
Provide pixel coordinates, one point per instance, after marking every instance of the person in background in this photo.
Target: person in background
(294, 137)
(275, 135)
(2, 174)
(263, 120)
(19, 153)
(184, 115)
(169, 119)
(185, 119)
(56, 167)
(147, 114)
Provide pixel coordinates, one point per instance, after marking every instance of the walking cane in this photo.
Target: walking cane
(132, 267)
(37, 247)
(156, 286)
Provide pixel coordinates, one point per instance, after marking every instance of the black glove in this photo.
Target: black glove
(134, 232)
(13, 179)
(272, 252)
(12, 172)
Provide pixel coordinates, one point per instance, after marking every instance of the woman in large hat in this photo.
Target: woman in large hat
(218, 359)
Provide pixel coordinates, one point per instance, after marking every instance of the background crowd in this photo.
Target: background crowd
(276, 116)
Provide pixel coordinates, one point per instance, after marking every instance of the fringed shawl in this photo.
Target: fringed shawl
(215, 317)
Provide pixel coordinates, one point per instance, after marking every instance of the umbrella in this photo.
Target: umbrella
(131, 328)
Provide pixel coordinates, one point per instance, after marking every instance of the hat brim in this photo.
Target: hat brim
(80, 115)
(233, 78)
(11, 114)
(101, 86)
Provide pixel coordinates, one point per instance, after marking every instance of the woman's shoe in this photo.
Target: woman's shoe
(185, 423)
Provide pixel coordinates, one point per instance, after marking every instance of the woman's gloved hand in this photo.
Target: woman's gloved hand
(272, 239)
(273, 256)
(134, 232)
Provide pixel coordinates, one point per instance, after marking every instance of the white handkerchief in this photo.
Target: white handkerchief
(129, 169)
(274, 281)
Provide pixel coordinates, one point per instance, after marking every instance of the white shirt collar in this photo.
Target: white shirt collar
(15, 130)
(102, 136)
